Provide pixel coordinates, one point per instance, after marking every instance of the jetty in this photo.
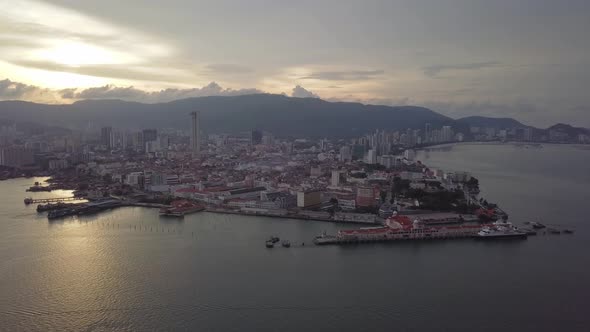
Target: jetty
(30, 200)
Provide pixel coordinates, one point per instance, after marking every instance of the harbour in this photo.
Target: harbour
(131, 257)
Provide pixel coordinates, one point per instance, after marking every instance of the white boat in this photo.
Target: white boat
(500, 231)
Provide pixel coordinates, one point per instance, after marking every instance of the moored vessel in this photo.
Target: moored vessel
(498, 231)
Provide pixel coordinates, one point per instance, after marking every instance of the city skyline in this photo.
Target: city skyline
(451, 56)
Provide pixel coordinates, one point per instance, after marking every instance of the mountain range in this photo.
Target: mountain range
(278, 114)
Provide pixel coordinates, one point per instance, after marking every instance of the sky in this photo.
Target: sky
(527, 59)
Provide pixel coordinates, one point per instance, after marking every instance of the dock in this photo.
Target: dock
(30, 200)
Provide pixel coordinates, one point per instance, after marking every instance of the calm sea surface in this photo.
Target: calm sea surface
(130, 270)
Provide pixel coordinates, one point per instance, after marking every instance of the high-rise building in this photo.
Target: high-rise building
(528, 134)
(256, 137)
(323, 145)
(150, 135)
(16, 156)
(372, 156)
(345, 153)
(268, 139)
(195, 135)
(387, 161)
(427, 128)
(137, 141)
(105, 136)
(447, 134)
(336, 176)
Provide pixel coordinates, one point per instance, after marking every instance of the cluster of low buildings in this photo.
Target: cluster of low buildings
(334, 179)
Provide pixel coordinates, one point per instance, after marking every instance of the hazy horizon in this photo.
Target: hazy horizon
(522, 59)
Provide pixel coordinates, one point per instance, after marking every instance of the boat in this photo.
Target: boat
(286, 243)
(554, 231)
(500, 232)
(270, 244)
(568, 231)
(274, 239)
(537, 225)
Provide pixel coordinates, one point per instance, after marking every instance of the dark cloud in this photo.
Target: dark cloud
(351, 75)
(300, 92)
(435, 70)
(134, 94)
(10, 90)
(14, 90)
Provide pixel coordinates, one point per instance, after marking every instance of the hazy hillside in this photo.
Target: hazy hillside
(483, 121)
(568, 129)
(275, 113)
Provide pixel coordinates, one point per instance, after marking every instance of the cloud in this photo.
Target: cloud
(133, 94)
(300, 92)
(435, 70)
(10, 90)
(40, 35)
(351, 75)
(115, 71)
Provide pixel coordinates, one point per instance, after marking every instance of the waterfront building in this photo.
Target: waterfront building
(16, 156)
(57, 164)
(447, 134)
(309, 198)
(365, 197)
(409, 154)
(427, 129)
(528, 134)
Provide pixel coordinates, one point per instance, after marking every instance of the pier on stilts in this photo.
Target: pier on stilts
(30, 200)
